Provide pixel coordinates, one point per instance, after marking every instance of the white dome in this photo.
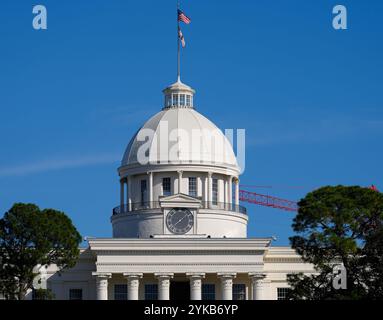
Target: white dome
(179, 159)
(175, 136)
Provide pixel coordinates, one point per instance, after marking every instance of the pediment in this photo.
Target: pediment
(179, 199)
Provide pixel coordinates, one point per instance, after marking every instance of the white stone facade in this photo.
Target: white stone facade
(262, 269)
(151, 256)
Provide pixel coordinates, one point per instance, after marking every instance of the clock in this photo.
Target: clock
(179, 220)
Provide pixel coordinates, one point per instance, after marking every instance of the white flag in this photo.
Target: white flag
(181, 36)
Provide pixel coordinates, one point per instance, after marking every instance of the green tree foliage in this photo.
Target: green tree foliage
(339, 225)
(30, 237)
(372, 274)
(43, 294)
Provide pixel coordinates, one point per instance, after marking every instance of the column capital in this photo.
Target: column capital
(133, 275)
(149, 172)
(102, 275)
(236, 180)
(164, 275)
(209, 174)
(230, 275)
(257, 276)
(198, 275)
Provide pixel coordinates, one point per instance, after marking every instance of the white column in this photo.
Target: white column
(164, 285)
(179, 181)
(133, 284)
(226, 285)
(226, 188)
(150, 189)
(127, 193)
(206, 192)
(210, 189)
(122, 194)
(199, 190)
(129, 196)
(102, 285)
(230, 189)
(195, 285)
(257, 284)
(236, 181)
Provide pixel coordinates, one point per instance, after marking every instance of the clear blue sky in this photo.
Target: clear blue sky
(71, 97)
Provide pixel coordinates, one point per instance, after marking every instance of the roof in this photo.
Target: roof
(180, 135)
(178, 87)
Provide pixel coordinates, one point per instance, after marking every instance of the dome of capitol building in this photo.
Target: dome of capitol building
(179, 160)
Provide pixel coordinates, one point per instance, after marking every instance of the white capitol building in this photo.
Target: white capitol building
(179, 231)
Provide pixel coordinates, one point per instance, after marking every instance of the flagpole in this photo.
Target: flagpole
(178, 45)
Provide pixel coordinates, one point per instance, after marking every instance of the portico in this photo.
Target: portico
(216, 265)
(222, 284)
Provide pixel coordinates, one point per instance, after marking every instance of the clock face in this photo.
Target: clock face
(179, 220)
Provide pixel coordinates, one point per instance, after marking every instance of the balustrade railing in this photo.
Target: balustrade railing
(126, 208)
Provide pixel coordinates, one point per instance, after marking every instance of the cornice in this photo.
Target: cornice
(283, 260)
(308, 271)
(190, 244)
(179, 252)
(134, 169)
(164, 264)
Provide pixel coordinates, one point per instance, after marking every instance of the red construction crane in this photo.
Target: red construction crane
(267, 201)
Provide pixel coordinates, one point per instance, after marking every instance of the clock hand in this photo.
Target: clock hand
(180, 220)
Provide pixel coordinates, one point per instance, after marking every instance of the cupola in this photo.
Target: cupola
(178, 95)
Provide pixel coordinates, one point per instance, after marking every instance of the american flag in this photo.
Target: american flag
(183, 17)
(181, 36)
